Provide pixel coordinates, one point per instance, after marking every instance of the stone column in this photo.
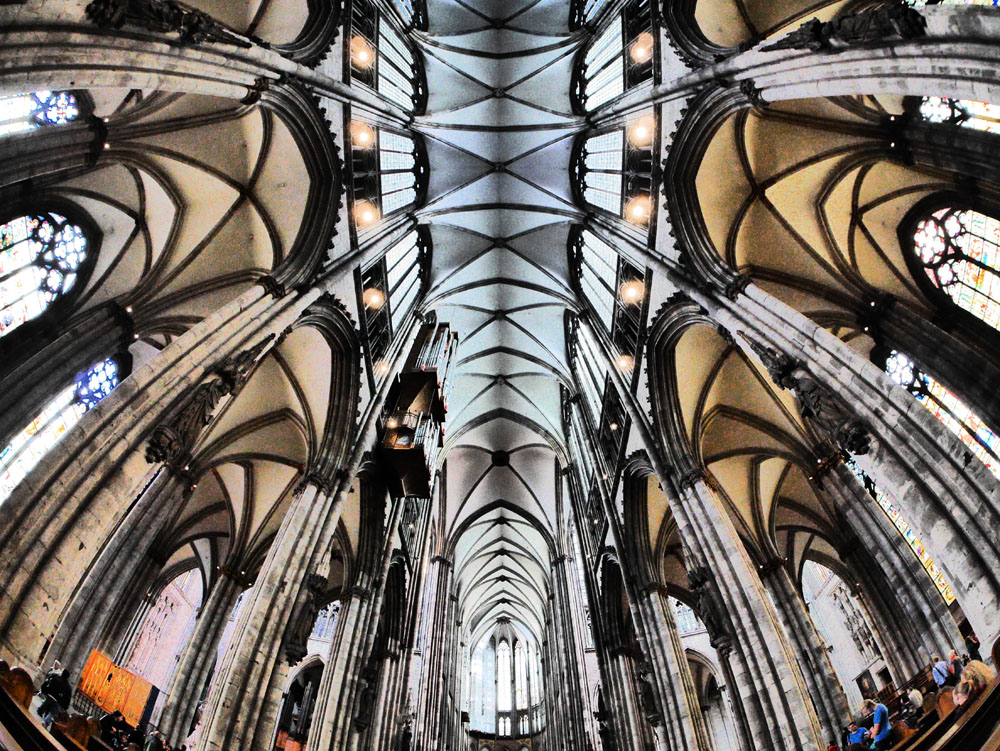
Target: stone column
(120, 572)
(197, 662)
(431, 699)
(902, 576)
(827, 694)
(62, 513)
(570, 653)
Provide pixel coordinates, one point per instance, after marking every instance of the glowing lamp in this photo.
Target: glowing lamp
(382, 367)
(641, 132)
(632, 292)
(362, 134)
(639, 210)
(642, 48)
(625, 362)
(365, 213)
(373, 298)
(392, 422)
(362, 53)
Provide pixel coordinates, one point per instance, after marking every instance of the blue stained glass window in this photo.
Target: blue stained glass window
(56, 418)
(40, 255)
(21, 112)
(981, 441)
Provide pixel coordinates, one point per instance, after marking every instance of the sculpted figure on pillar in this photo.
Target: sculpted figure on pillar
(644, 683)
(815, 400)
(193, 26)
(172, 440)
(708, 604)
(895, 20)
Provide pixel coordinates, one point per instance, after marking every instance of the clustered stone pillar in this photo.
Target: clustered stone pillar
(429, 710)
(810, 653)
(198, 659)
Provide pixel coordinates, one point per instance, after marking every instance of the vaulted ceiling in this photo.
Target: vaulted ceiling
(499, 132)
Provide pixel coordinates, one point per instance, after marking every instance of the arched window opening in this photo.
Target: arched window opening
(55, 419)
(297, 710)
(618, 59)
(967, 113)
(523, 725)
(23, 112)
(381, 59)
(503, 679)
(895, 514)
(326, 621)
(956, 257)
(520, 677)
(413, 13)
(165, 630)
(388, 173)
(389, 290)
(536, 675)
(982, 442)
(686, 619)
(614, 171)
(41, 258)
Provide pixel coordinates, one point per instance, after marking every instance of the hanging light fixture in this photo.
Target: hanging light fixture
(642, 131)
(642, 48)
(374, 298)
(625, 362)
(632, 291)
(362, 134)
(365, 213)
(362, 53)
(639, 209)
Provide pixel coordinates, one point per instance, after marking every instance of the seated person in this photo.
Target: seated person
(941, 671)
(975, 678)
(856, 737)
(881, 727)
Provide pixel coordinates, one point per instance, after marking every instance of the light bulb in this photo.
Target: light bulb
(642, 48)
(625, 362)
(362, 134)
(642, 131)
(632, 291)
(639, 209)
(382, 367)
(362, 54)
(365, 213)
(374, 298)
(392, 422)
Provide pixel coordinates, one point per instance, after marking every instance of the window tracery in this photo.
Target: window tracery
(24, 112)
(520, 677)
(618, 59)
(388, 172)
(382, 60)
(504, 680)
(956, 255)
(390, 288)
(981, 441)
(583, 12)
(614, 170)
(967, 113)
(55, 419)
(41, 257)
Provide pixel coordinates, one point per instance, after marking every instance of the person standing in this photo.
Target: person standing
(940, 671)
(57, 693)
(881, 727)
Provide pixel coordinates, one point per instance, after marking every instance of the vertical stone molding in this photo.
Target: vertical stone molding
(827, 694)
(197, 662)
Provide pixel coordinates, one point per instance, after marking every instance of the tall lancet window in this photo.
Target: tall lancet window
(503, 677)
(520, 677)
(382, 60)
(619, 58)
(388, 172)
(613, 170)
(42, 255)
(981, 441)
(955, 255)
(53, 421)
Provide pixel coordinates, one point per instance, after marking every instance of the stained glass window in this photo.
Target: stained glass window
(58, 416)
(503, 677)
(615, 168)
(686, 619)
(326, 621)
(960, 252)
(965, 112)
(982, 442)
(40, 255)
(380, 58)
(21, 112)
(895, 514)
(520, 677)
(620, 57)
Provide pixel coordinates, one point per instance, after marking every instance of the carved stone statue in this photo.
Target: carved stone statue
(647, 693)
(164, 16)
(874, 25)
(707, 603)
(301, 624)
(173, 439)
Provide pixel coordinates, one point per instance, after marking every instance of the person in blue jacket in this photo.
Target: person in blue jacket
(856, 736)
(881, 727)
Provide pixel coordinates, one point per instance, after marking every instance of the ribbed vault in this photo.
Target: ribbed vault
(499, 131)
